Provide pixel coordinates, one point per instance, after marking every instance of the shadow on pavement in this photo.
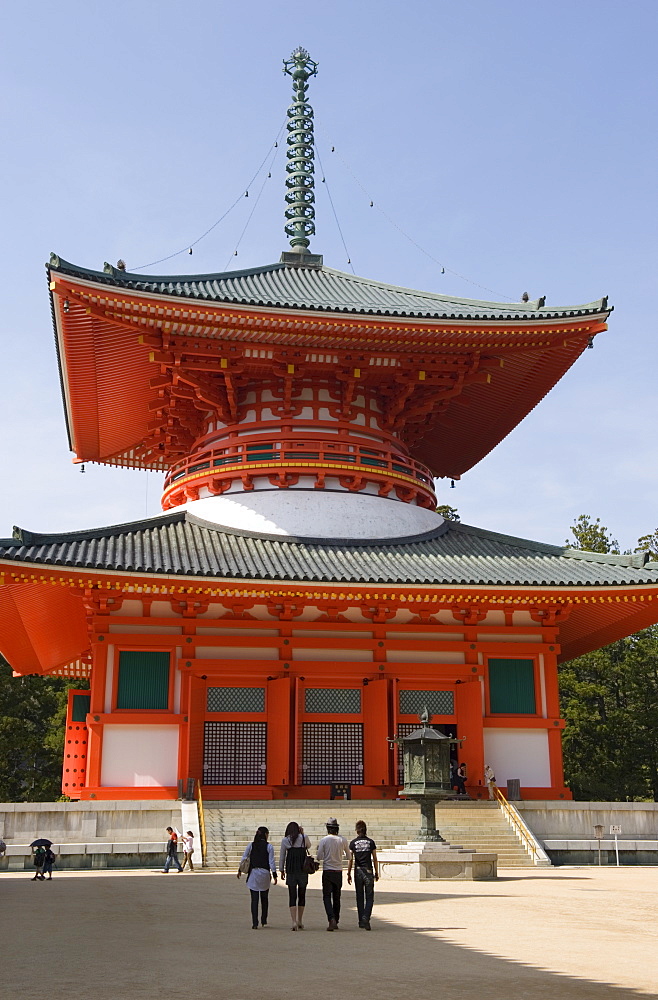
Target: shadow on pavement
(112, 937)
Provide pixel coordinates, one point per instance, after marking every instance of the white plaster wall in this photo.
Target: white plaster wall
(163, 609)
(508, 637)
(309, 614)
(262, 632)
(423, 656)
(518, 753)
(330, 633)
(494, 618)
(137, 756)
(523, 618)
(129, 609)
(336, 655)
(316, 514)
(402, 617)
(237, 653)
(147, 629)
(433, 636)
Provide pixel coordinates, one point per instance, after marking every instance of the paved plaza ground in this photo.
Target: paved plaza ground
(575, 933)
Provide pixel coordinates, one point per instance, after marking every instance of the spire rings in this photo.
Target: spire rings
(300, 168)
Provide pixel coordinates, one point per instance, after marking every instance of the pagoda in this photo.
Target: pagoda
(300, 599)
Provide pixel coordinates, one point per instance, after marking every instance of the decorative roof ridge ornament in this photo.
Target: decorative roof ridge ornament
(300, 182)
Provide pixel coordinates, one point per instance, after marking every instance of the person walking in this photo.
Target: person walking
(172, 852)
(48, 862)
(460, 779)
(291, 864)
(39, 862)
(490, 779)
(261, 863)
(363, 855)
(331, 851)
(188, 850)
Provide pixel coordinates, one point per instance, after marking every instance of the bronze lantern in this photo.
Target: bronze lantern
(426, 764)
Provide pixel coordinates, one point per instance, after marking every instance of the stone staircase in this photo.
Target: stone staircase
(479, 826)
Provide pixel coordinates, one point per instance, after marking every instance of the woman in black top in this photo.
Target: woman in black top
(261, 869)
(291, 863)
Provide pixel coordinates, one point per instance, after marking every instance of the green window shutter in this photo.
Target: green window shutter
(512, 687)
(143, 680)
(80, 707)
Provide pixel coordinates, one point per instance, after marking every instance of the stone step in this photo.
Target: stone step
(478, 826)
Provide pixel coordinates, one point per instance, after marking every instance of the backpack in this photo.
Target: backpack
(51, 857)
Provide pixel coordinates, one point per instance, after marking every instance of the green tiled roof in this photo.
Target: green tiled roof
(315, 287)
(452, 554)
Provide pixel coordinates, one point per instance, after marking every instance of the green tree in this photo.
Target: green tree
(32, 723)
(592, 536)
(648, 543)
(609, 699)
(450, 513)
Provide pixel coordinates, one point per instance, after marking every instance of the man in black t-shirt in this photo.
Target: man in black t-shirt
(363, 856)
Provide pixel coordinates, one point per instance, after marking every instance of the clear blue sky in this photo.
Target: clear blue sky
(516, 142)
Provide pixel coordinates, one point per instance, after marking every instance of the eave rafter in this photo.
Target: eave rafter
(437, 381)
(226, 322)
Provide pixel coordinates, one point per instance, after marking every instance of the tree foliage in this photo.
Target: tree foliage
(592, 536)
(609, 699)
(450, 513)
(648, 543)
(32, 722)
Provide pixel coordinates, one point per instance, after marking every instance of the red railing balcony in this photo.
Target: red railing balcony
(355, 464)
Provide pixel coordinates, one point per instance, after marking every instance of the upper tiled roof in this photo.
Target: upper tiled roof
(322, 288)
(453, 554)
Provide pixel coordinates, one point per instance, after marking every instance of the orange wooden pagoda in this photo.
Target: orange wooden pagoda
(299, 599)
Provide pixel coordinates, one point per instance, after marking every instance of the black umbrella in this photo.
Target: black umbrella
(42, 842)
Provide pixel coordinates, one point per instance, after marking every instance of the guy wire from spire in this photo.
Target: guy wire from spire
(239, 198)
(300, 181)
(348, 256)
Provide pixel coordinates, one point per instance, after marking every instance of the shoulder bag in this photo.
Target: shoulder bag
(310, 865)
(245, 865)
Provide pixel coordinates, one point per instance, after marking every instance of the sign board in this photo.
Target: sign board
(615, 829)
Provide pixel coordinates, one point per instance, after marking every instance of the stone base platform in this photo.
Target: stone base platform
(419, 861)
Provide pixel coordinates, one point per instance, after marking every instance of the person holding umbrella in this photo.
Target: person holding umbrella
(40, 846)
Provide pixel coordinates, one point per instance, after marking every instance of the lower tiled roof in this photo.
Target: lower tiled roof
(453, 554)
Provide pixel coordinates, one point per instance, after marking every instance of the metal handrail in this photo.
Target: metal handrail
(202, 824)
(513, 818)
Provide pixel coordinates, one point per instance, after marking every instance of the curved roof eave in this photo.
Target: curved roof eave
(323, 289)
(453, 555)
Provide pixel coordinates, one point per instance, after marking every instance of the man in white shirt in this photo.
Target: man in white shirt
(331, 851)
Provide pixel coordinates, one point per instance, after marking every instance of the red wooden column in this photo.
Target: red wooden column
(96, 708)
(98, 675)
(376, 728)
(468, 709)
(184, 731)
(555, 761)
(278, 731)
(551, 683)
(196, 716)
(556, 724)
